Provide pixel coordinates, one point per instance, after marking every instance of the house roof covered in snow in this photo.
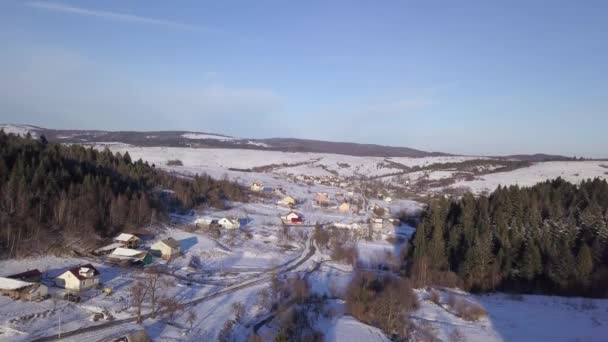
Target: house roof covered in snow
(12, 284)
(78, 270)
(125, 237)
(109, 247)
(126, 252)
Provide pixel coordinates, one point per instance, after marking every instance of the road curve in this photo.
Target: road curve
(311, 251)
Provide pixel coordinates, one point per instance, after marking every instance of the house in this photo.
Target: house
(79, 278)
(388, 199)
(292, 218)
(257, 187)
(127, 240)
(167, 248)
(376, 222)
(108, 249)
(204, 222)
(344, 207)
(288, 201)
(31, 276)
(18, 289)
(229, 223)
(322, 198)
(130, 255)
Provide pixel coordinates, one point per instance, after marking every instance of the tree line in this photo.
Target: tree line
(549, 238)
(50, 191)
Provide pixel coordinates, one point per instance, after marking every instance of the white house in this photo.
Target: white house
(257, 187)
(127, 240)
(292, 218)
(229, 223)
(167, 248)
(79, 278)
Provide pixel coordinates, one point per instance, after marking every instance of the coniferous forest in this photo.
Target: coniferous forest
(549, 238)
(50, 192)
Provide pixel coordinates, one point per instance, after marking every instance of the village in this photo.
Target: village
(198, 251)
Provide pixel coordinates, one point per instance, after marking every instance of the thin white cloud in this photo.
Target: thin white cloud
(130, 18)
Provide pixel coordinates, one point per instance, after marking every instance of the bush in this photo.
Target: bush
(381, 301)
(175, 162)
(465, 309)
(434, 297)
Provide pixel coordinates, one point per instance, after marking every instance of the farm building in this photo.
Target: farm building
(32, 276)
(131, 255)
(229, 223)
(167, 248)
(127, 240)
(257, 187)
(18, 289)
(79, 278)
(292, 218)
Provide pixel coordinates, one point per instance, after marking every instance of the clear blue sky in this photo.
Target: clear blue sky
(474, 77)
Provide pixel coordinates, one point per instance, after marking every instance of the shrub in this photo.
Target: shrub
(465, 309)
(175, 162)
(381, 301)
(434, 297)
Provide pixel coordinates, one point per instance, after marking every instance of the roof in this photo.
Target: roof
(12, 284)
(126, 252)
(125, 237)
(109, 247)
(26, 274)
(171, 242)
(76, 273)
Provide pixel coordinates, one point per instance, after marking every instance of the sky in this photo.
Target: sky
(466, 77)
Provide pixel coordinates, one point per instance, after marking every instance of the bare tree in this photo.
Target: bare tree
(155, 282)
(191, 318)
(138, 291)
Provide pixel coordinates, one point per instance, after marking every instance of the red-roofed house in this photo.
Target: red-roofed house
(79, 278)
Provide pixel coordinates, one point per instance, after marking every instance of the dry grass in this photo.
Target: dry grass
(465, 309)
(434, 297)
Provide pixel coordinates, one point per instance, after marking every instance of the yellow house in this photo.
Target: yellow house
(288, 201)
(79, 278)
(344, 207)
(167, 248)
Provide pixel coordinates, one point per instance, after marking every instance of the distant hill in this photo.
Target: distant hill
(214, 140)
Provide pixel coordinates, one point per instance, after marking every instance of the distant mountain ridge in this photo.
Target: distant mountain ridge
(213, 140)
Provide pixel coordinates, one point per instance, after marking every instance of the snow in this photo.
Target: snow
(199, 136)
(346, 328)
(124, 237)
(12, 284)
(517, 318)
(572, 171)
(19, 129)
(126, 252)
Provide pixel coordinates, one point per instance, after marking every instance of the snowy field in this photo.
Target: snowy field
(215, 271)
(571, 171)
